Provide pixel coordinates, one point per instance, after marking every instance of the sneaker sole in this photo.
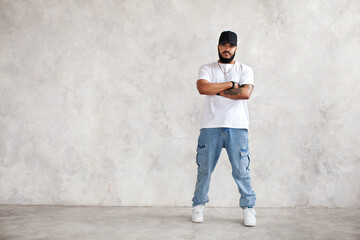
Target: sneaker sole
(249, 225)
(197, 220)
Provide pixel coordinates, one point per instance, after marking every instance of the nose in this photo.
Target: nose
(227, 48)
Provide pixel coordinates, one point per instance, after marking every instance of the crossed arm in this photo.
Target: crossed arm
(224, 89)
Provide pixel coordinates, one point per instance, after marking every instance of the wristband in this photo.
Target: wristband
(233, 86)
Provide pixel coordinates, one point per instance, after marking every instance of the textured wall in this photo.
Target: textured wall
(99, 106)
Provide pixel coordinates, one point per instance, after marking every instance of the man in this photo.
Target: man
(227, 85)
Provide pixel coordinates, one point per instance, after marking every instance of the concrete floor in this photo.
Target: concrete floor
(64, 222)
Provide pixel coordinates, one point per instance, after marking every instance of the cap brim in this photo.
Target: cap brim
(228, 42)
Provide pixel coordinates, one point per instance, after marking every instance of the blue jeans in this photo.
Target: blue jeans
(210, 143)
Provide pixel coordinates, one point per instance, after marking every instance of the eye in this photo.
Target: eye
(232, 45)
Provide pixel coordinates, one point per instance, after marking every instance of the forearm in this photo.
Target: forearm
(207, 88)
(243, 92)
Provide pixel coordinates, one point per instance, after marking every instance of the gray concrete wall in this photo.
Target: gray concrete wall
(99, 106)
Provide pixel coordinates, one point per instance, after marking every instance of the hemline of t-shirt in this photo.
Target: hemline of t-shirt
(226, 126)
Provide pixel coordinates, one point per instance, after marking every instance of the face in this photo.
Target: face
(226, 51)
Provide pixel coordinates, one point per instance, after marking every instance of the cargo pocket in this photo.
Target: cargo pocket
(200, 155)
(244, 154)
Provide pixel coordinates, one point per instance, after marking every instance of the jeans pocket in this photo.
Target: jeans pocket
(200, 154)
(244, 154)
(200, 149)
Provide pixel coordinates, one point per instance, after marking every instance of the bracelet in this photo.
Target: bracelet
(233, 86)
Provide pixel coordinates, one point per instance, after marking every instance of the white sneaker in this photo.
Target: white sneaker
(249, 217)
(198, 214)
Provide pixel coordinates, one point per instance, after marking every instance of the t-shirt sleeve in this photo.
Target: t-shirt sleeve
(204, 73)
(247, 76)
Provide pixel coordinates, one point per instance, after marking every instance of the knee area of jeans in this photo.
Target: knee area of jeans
(204, 174)
(241, 174)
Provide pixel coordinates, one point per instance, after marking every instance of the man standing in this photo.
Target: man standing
(227, 85)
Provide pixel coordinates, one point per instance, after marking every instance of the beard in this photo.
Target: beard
(226, 60)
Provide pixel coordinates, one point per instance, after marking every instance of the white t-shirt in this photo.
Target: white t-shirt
(220, 111)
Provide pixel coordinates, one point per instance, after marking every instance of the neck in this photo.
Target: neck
(232, 62)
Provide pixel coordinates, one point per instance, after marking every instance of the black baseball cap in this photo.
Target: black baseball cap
(228, 37)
